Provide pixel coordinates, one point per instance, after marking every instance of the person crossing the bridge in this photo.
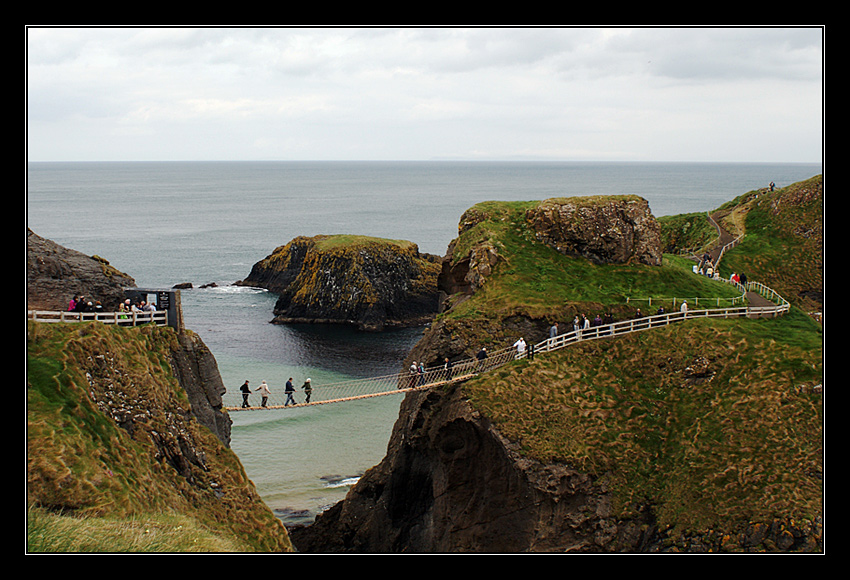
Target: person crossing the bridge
(246, 390)
(289, 390)
(264, 391)
(308, 389)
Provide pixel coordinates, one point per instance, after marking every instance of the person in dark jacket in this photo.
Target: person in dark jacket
(246, 390)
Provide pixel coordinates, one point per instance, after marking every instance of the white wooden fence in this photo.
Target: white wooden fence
(780, 307)
(158, 317)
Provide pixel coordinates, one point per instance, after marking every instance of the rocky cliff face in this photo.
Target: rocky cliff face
(56, 274)
(197, 372)
(452, 483)
(605, 230)
(367, 282)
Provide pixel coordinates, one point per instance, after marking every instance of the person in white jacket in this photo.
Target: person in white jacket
(264, 392)
(520, 347)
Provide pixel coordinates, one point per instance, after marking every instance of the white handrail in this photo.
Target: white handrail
(158, 317)
(434, 376)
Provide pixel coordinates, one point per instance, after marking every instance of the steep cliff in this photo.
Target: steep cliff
(367, 282)
(126, 424)
(656, 443)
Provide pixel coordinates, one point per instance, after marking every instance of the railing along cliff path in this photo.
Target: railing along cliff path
(159, 317)
(403, 382)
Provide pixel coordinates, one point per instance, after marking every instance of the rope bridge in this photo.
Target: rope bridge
(403, 382)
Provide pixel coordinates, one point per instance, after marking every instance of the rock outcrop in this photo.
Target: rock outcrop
(56, 274)
(605, 229)
(452, 483)
(601, 229)
(197, 372)
(371, 283)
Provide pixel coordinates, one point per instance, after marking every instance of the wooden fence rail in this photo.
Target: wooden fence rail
(159, 317)
(435, 376)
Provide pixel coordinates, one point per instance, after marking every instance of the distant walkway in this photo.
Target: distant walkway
(725, 242)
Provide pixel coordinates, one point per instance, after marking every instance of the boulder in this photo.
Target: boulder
(604, 229)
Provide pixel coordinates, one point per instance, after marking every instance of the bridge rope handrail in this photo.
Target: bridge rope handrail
(403, 382)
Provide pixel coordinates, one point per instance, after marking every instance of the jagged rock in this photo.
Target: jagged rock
(368, 282)
(56, 274)
(603, 229)
(197, 371)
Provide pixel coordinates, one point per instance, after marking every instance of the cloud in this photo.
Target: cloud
(700, 94)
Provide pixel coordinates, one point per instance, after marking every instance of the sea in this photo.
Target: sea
(208, 223)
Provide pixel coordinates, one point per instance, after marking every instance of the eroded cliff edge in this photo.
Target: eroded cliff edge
(126, 422)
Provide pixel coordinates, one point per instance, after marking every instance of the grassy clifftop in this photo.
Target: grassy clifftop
(530, 285)
(115, 459)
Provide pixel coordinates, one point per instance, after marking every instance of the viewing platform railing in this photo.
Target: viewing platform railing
(158, 317)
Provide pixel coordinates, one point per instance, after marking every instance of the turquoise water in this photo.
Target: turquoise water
(202, 222)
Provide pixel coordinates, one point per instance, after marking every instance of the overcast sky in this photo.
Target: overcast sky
(579, 94)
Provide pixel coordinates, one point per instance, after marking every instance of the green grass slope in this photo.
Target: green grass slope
(533, 280)
(712, 423)
(783, 244)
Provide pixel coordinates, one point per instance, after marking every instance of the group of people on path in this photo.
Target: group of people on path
(265, 392)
